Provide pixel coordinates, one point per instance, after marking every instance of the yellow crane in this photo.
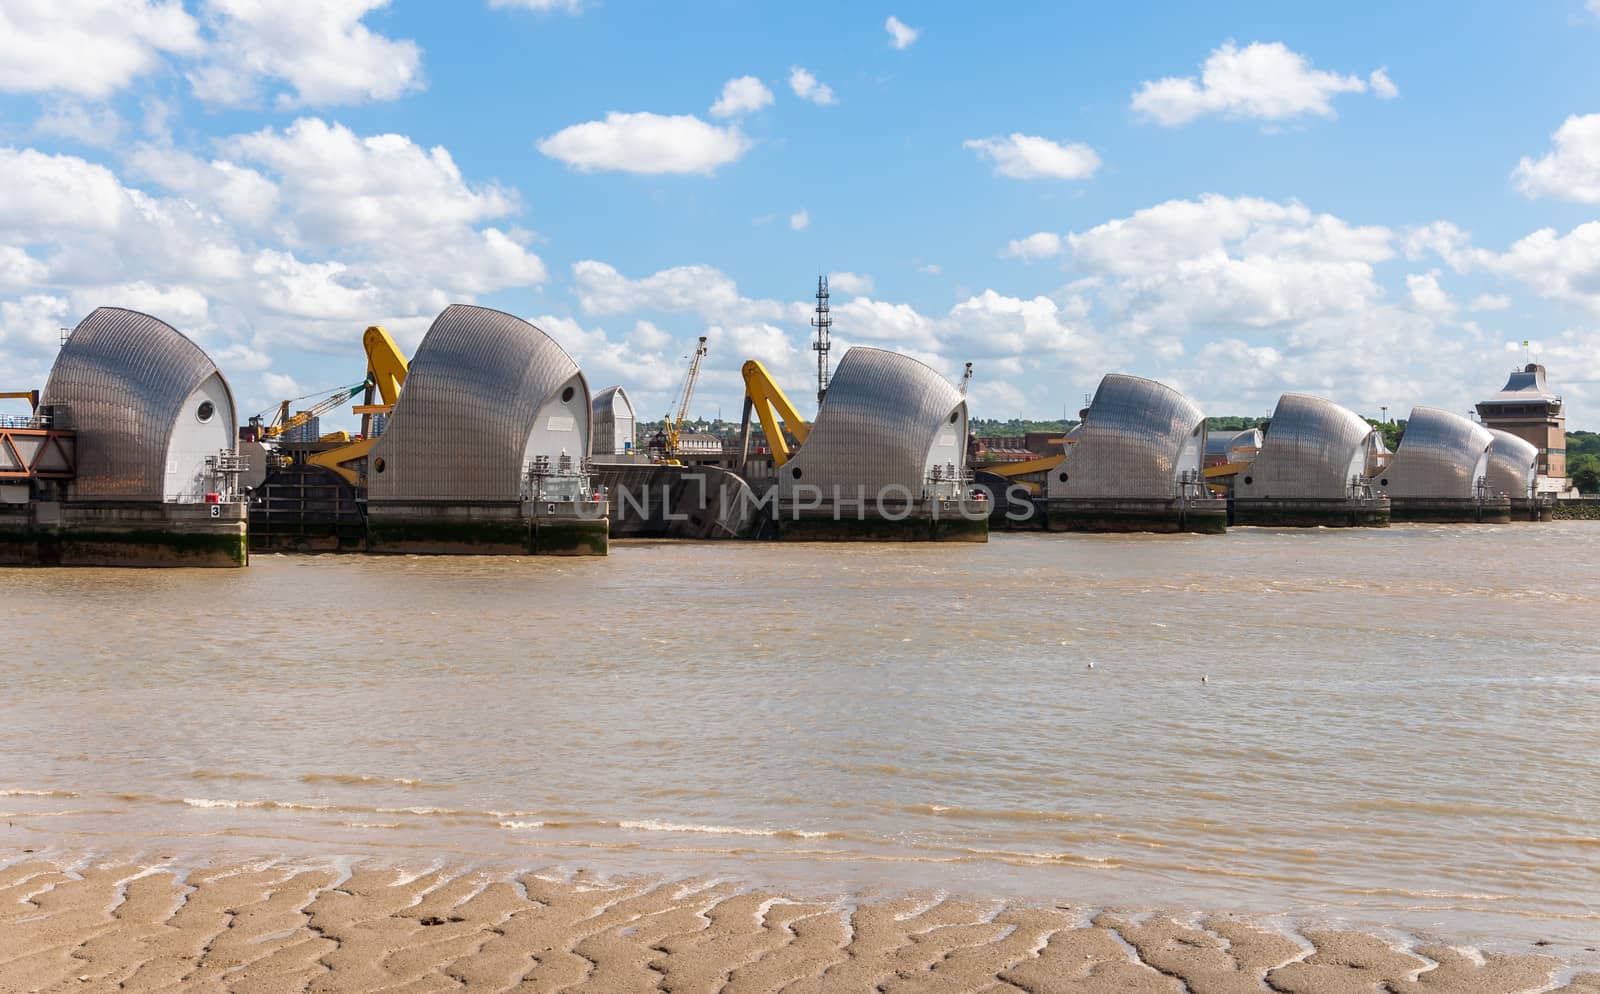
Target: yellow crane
(31, 396)
(667, 441)
(284, 422)
(386, 374)
(771, 405)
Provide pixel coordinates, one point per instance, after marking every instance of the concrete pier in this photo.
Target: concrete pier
(123, 533)
(1486, 510)
(1107, 514)
(928, 521)
(486, 528)
(1310, 512)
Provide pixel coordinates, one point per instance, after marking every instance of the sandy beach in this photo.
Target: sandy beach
(277, 926)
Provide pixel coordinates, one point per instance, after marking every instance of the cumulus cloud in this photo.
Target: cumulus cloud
(1491, 301)
(855, 284)
(1031, 157)
(540, 6)
(807, 87)
(1427, 295)
(1263, 81)
(741, 95)
(95, 125)
(702, 290)
(1382, 86)
(323, 53)
(343, 188)
(1039, 245)
(646, 143)
(282, 241)
(90, 48)
(800, 220)
(1231, 262)
(1570, 170)
(901, 35)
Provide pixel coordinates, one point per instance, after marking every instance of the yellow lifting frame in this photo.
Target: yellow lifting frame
(774, 410)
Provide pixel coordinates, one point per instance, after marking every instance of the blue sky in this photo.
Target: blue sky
(1375, 203)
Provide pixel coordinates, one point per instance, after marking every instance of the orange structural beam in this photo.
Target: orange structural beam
(37, 454)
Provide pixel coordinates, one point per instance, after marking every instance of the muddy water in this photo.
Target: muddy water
(1362, 727)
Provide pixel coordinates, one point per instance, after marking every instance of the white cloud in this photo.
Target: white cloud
(807, 87)
(902, 36)
(1382, 86)
(1493, 301)
(343, 188)
(1230, 262)
(702, 290)
(930, 268)
(1562, 268)
(19, 270)
(800, 220)
(1031, 157)
(741, 95)
(854, 284)
(322, 51)
(236, 192)
(1263, 81)
(90, 48)
(74, 120)
(1427, 296)
(212, 258)
(541, 6)
(646, 143)
(1039, 245)
(1569, 171)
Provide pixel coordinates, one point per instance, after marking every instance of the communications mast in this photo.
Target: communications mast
(823, 323)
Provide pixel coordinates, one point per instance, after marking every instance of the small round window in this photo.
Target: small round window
(377, 464)
(1249, 479)
(206, 411)
(566, 395)
(954, 416)
(795, 472)
(1383, 482)
(1063, 477)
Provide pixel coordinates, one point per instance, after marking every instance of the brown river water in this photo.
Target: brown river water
(1362, 727)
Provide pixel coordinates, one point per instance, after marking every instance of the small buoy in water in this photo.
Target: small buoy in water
(1091, 664)
(1205, 679)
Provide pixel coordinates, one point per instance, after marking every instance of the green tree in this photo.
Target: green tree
(1584, 469)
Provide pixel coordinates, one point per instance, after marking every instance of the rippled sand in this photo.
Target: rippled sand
(340, 926)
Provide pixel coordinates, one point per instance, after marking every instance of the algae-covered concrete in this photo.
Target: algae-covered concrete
(1208, 517)
(125, 533)
(1306, 512)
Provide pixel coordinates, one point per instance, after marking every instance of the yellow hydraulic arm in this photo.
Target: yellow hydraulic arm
(31, 396)
(386, 374)
(774, 410)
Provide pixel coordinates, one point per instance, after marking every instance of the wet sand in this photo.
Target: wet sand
(341, 925)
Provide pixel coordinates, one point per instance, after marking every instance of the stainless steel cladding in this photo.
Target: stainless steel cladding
(886, 422)
(1513, 465)
(612, 426)
(1233, 446)
(1314, 449)
(1138, 439)
(123, 379)
(1441, 455)
(485, 392)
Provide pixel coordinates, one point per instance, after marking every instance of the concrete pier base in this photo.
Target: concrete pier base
(656, 501)
(923, 522)
(486, 528)
(1209, 517)
(1529, 509)
(1275, 512)
(1492, 510)
(123, 533)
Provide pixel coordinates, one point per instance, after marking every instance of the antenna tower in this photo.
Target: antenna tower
(823, 323)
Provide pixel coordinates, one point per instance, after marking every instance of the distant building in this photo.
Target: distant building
(307, 431)
(699, 443)
(1526, 408)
